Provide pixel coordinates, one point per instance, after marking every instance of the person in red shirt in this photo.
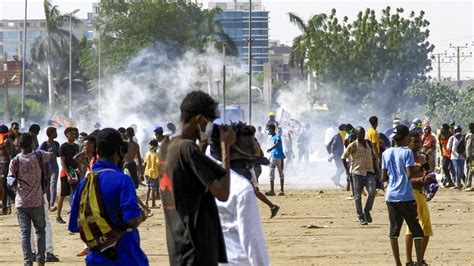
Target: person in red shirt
(446, 155)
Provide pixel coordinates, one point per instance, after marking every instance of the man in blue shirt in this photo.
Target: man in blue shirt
(277, 161)
(120, 201)
(397, 168)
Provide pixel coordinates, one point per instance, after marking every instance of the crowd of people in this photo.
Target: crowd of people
(206, 176)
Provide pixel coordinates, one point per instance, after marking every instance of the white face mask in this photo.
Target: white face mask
(206, 134)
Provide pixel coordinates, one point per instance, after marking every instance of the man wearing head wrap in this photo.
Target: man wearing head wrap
(417, 126)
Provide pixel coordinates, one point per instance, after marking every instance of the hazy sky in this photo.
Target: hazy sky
(451, 21)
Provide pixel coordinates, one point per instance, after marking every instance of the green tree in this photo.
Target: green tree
(126, 27)
(368, 61)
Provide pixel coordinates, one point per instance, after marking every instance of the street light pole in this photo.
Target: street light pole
(23, 78)
(70, 61)
(223, 84)
(250, 62)
(100, 113)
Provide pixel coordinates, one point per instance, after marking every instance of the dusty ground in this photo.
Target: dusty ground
(314, 227)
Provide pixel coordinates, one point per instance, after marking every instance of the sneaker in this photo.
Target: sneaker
(411, 263)
(60, 220)
(274, 210)
(50, 257)
(33, 256)
(368, 218)
(423, 263)
(281, 194)
(269, 193)
(362, 221)
(350, 198)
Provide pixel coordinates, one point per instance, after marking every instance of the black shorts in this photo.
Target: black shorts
(405, 210)
(132, 169)
(65, 187)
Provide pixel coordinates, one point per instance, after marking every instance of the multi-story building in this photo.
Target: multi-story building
(11, 36)
(234, 19)
(280, 63)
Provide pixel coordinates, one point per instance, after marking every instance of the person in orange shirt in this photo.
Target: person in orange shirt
(446, 159)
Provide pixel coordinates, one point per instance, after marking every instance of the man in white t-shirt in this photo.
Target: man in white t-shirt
(239, 215)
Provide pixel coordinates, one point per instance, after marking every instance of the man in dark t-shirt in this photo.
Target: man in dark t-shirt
(69, 179)
(191, 182)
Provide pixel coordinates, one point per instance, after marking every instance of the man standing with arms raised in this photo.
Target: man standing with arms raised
(191, 182)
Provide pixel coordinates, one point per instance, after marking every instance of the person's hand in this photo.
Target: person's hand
(227, 135)
(428, 179)
(269, 150)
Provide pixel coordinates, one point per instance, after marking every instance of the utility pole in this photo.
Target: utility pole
(6, 111)
(250, 62)
(23, 77)
(439, 60)
(223, 84)
(100, 113)
(458, 55)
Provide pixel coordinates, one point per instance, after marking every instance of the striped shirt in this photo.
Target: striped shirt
(361, 157)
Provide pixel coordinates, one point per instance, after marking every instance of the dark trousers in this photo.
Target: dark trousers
(367, 181)
(404, 210)
(25, 217)
(132, 170)
(7, 193)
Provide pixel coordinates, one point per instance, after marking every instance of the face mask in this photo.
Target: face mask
(206, 134)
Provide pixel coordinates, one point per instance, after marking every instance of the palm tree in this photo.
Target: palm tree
(302, 43)
(52, 44)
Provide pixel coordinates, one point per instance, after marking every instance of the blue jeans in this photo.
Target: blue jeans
(458, 170)
(360, 182)
(25, 217)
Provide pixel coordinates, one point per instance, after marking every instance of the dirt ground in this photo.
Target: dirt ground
(314, 227)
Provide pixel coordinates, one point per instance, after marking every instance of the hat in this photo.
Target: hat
(158, 129)
(271, 114)
(457, 128)
(396, 122)
(416, 121)
(399, 132)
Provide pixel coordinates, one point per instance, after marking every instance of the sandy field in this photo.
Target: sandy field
(314, 227)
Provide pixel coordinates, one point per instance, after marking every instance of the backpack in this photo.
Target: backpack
(461, 148)
(95, 228)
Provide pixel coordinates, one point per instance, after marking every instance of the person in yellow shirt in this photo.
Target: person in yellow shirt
(151, 171)
(373, 136)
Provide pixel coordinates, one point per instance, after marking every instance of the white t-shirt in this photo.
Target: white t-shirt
(452, 146)
(241, 225)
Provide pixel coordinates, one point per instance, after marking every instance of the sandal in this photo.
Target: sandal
(269, 193)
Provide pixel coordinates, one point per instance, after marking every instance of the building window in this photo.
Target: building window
(10, 35)
(11, 24)
(30, 35)
(42, 24)
(10, 49)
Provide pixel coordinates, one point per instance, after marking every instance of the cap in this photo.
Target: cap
(458, 127)
(158, 129)
(416, 121)
(271, 114)
(399, 132)
(396, 122)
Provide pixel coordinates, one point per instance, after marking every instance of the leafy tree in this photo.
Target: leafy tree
(126, 27)
(444, 103)
(368, 61)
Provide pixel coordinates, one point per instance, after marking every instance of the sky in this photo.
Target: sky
(451, 22)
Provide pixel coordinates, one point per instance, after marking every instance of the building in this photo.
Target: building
(11, 36)
(234, 19)
(279, 55)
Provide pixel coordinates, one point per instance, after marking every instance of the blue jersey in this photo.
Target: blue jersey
(395, 161)
(277, 152)
(120, 200)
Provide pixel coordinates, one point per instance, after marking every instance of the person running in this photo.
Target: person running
(239, 215)
(428, 146)
(51, 145)
(151, 171)
(446, 155)
(133, 152)
(419, 179)
(7, 152)
(362, 166)
(470, 157)
(69, 176)
(25, 176)
(277, 161)
(190, 184)
(335, 149)
(121, 208)
(397, 169)
(457, 155)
